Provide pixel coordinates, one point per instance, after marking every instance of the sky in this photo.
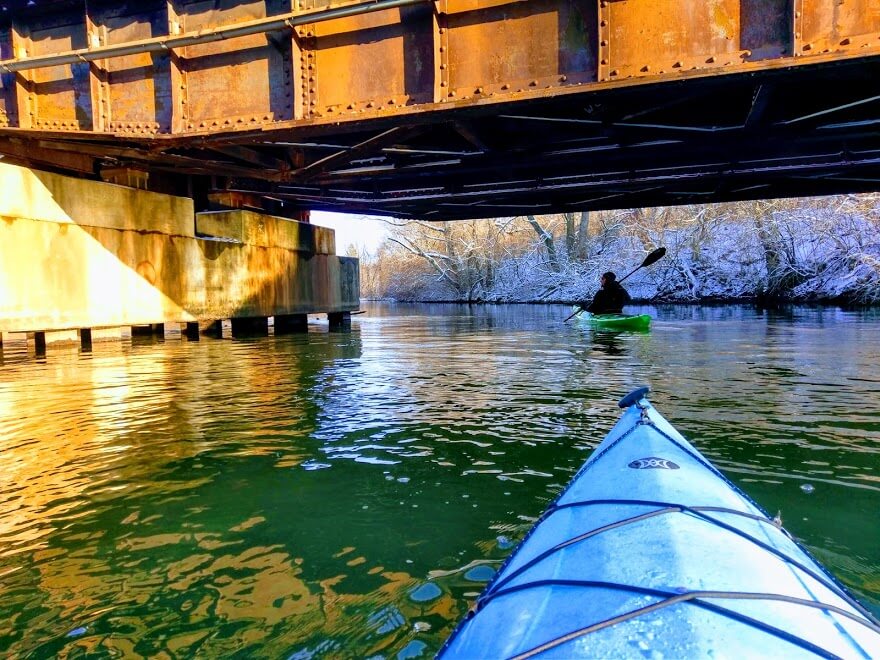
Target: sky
(363, 231)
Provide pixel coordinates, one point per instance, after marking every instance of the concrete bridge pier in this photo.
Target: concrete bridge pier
(79, 258)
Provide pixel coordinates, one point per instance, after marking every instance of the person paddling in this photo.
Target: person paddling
(610, 299)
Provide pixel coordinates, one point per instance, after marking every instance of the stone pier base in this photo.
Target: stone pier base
(286, 324)
(339, 320)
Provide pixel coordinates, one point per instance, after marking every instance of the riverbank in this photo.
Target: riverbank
(758, 302)
(822, 250)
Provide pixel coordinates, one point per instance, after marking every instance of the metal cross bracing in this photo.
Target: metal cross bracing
(452, 108)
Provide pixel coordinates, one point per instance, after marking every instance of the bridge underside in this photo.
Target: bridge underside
(450, 109)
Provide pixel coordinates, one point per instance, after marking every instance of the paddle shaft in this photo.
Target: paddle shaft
(655, 256)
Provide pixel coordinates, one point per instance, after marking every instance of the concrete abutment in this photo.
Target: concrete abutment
(84, 261)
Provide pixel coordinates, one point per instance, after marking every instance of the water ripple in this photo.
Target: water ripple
(328, 495)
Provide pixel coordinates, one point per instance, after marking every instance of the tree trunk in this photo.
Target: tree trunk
(570, 236)
(547, 238)
(583, 237)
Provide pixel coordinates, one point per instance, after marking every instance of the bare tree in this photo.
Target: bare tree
(547, 239)
(798, 249)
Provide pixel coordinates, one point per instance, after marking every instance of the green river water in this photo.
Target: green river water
(347, 495)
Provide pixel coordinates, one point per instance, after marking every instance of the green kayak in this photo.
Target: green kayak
(616, 321)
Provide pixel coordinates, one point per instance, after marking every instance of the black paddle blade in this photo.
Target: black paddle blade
(655, 256)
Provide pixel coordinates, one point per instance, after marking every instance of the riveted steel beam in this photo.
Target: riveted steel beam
(405, 103)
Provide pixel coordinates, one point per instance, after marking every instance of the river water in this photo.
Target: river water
(337, 495)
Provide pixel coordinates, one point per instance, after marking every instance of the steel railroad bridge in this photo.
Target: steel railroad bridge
(447, 109)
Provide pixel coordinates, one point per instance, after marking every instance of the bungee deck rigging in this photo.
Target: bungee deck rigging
(563, 592)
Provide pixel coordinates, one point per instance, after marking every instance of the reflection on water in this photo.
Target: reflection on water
(348, 494)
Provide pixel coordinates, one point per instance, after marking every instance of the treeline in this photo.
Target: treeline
(818, 249)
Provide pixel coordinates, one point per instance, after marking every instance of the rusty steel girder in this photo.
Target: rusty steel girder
(451, 108)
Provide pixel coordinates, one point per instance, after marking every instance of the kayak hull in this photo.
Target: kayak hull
(651, 552)
(615, 321)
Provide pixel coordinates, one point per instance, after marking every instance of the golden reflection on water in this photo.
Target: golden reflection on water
(128, 414)
(288, 497)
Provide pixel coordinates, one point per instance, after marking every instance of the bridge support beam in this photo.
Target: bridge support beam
(251, 326)
(339, 320)
(80, 254)
(291, 323)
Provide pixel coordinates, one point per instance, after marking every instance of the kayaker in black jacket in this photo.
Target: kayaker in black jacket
(611, 298)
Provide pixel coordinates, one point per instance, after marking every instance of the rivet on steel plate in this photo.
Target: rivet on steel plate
(505, 86)
(677, 65)
(603, 23)
(808, 46)
(614, 72)
(534, 83)
(846, 42)
(710, 60)
(604, 42)
(563, 78)
(604, 60)
(478, 90)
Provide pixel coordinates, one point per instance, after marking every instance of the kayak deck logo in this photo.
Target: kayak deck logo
(653, 462)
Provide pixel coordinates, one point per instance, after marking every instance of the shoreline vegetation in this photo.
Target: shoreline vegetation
(823, 250)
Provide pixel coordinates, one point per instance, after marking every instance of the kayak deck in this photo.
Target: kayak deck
(615, 321)
(651, 552)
